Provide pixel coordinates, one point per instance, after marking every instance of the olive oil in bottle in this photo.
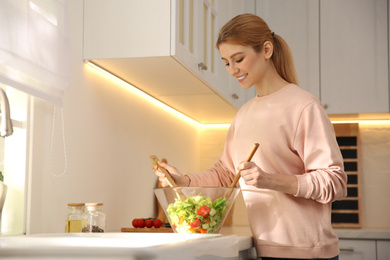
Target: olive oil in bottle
(76, 218)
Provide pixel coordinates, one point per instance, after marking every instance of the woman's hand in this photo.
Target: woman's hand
(180, 179)
(254, 176)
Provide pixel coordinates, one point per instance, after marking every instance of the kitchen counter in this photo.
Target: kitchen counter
(374, 234)
(159, 246)
(245, 245)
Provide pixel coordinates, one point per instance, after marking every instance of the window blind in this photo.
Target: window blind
(34, 47)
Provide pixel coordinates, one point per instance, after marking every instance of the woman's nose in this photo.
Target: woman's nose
(232, 70)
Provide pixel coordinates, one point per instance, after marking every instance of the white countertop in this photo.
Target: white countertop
(118, 246)
(244, 234)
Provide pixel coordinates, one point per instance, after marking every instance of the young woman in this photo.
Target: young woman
(297, 171)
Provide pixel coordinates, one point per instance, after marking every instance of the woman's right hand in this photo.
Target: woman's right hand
(180, 179)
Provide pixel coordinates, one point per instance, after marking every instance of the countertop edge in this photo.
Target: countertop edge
(244, 243)
(371, 234)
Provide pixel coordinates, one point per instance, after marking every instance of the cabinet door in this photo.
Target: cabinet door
(194, 39)
(354, 56)
(301, 32)
(357, 249)
(183, 38)
(383, 250)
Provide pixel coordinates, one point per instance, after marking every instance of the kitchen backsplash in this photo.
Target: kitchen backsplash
(374, 170)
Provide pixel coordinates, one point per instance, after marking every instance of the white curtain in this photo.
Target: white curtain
(34, 47)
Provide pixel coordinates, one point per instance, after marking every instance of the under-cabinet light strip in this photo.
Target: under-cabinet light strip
(190, 120)
(141, 93)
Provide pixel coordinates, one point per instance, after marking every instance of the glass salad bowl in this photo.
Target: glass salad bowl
(196, 209)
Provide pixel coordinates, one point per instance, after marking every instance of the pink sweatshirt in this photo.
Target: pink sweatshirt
(296, 138)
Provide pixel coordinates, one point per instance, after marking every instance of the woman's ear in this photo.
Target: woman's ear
(268, 49)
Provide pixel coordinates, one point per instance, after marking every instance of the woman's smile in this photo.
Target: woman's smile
(242, 78)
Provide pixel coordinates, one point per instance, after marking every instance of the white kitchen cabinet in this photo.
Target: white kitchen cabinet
(354, 56)
(340, 49)
(357, 249)
(231, 88)
(383, 249)
(300, 32)
(163, 47)
(194, 36)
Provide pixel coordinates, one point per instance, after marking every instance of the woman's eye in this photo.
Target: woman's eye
(226, 64)
(238, 61)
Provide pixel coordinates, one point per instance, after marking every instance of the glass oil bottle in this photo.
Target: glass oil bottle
(75, 220)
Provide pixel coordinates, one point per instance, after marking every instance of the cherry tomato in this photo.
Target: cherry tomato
(138, 223)
(204, 211)
(195, 223)
(148, 223)
(157, 223)
(134, 222)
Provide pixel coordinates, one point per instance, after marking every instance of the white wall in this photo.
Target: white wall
(109, 134)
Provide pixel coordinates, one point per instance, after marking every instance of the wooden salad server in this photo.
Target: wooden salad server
(168, 177)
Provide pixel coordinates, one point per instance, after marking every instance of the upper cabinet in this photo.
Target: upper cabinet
(167, 49)
(340, 49)
(300, 32)
(354, 56)
(193, 36)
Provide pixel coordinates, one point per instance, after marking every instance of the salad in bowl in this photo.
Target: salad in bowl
(196, 209)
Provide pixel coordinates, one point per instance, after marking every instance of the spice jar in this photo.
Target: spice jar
(95, 218)
(75, 220)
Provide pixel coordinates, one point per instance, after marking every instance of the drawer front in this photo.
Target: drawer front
(357, 249)
(383, 249)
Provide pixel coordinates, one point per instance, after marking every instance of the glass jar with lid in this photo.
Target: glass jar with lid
(75, 220)
(95, 218)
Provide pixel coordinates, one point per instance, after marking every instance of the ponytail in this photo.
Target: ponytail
(283, 60)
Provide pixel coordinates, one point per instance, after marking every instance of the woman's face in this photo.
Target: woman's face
(243, 63)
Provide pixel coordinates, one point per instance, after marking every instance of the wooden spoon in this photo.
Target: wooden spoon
(168, 177)
(238, 175)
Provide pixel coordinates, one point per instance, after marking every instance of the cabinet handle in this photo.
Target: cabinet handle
(326, 106)
(235, 96)
(347, 249)
(202, 66)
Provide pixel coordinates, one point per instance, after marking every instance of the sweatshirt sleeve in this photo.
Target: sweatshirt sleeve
(324, 179)
(218, 175)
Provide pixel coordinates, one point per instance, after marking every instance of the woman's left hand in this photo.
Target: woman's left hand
(252, 174)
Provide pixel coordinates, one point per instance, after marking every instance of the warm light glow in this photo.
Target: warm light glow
(190, 120)
(144, 95)
(215, 125)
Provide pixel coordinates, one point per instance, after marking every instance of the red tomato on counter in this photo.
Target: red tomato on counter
(157, 223)
(148, 223)
(138, 223)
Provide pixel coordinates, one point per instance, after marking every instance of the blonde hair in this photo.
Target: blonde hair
(251, 30)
